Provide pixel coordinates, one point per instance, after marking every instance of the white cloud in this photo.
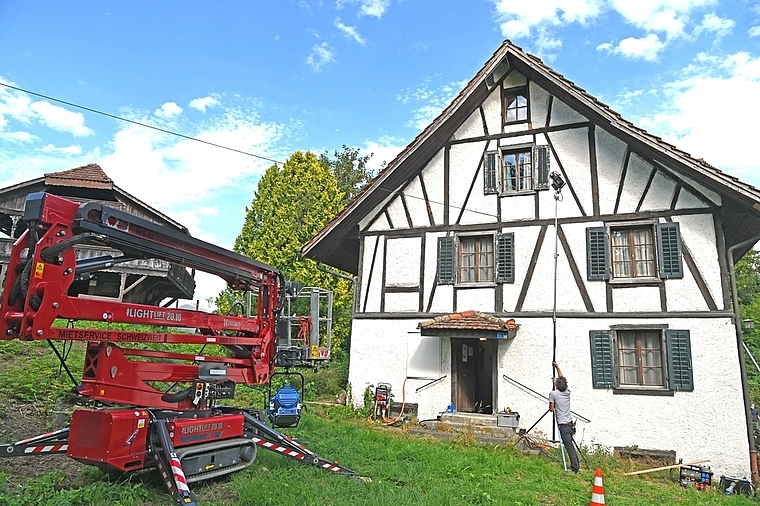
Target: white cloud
(669, 16)
(168, 110)
(66, 150)
(203, 103)
(374, 8)
(18, 106)
(383, 151)
(350, 32)
(18, 136)
(710, 112)
(60, 119)
(646, 48)
(321, 55)
(432, 100)
(754, 31)
(181, 173)
(518, 19)
(712, 23)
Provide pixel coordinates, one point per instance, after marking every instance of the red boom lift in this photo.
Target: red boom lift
(185, 433)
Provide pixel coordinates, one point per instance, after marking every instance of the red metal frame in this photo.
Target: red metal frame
(114, 374)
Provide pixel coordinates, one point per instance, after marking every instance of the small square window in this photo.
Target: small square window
(515, 106)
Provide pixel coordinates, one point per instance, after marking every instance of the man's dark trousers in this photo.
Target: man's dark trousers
(566, 432)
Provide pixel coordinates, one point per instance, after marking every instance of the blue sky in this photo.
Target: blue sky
(272, 77)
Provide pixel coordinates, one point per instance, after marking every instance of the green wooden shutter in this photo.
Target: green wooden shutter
(505, 261)
(542, 162)
(598, 253)
(669, 249)
(490, 184)
(446, 264)
(602, 359)
(678, 344)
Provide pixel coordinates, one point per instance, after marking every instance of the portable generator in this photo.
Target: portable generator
(735, 486)
(382, 400)
(699, 477)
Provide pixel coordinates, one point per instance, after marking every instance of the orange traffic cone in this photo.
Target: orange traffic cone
(597, 494)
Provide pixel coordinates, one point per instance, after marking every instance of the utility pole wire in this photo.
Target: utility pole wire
(163, 130)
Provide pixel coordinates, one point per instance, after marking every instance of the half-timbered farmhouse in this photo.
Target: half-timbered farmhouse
(454, 243)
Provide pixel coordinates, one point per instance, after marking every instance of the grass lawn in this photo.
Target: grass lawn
(404, 469)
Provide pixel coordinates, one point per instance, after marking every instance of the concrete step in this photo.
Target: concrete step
(474, 423)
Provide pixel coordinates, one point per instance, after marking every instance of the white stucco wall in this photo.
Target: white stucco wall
(539, 105)
(610, 158)
(635, 183)
(563, 114)
(707, 423)
(492, 110)
(432, 177)
(402, 265)
(415, 201)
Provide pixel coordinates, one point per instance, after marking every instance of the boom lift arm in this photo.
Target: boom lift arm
(175, 431)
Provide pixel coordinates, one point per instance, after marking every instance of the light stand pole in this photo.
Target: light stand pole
(557, 184)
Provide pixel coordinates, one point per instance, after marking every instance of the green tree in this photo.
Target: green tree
(350, 170)
(748, 289)
(290, 205)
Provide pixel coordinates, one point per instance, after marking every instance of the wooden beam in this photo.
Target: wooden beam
(666, 467)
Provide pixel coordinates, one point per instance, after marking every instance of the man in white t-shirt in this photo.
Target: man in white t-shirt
(559, 404)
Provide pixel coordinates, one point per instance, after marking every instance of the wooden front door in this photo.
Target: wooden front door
(473, 365)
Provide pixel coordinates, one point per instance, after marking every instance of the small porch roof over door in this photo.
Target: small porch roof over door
(469, 324)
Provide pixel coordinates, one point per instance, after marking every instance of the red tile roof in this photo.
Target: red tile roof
(468, 320)
(87, 176)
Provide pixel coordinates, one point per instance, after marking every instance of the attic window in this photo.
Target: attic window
(516, 105)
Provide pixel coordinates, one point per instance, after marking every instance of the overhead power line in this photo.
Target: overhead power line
(89, 109)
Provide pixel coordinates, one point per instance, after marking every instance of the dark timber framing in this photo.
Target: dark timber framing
(406, 210)
(427, 200)
(446, 183)
(423, 254)
(531, 268)
(371, 272)
(564, 175)
(594, 173)
(652, 174)
(574, 269)
(623, 174)
(382, 285)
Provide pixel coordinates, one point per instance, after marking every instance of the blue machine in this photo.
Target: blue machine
(285, 407)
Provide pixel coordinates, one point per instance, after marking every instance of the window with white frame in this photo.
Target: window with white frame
(516, 105)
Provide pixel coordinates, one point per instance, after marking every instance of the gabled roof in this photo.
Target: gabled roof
(88, 182)
(87, 176)
(337, 244)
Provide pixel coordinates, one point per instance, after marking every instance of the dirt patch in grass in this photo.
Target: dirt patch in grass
(24, 420)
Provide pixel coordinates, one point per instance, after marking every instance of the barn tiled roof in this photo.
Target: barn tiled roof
(468, 320)
(87, 176)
